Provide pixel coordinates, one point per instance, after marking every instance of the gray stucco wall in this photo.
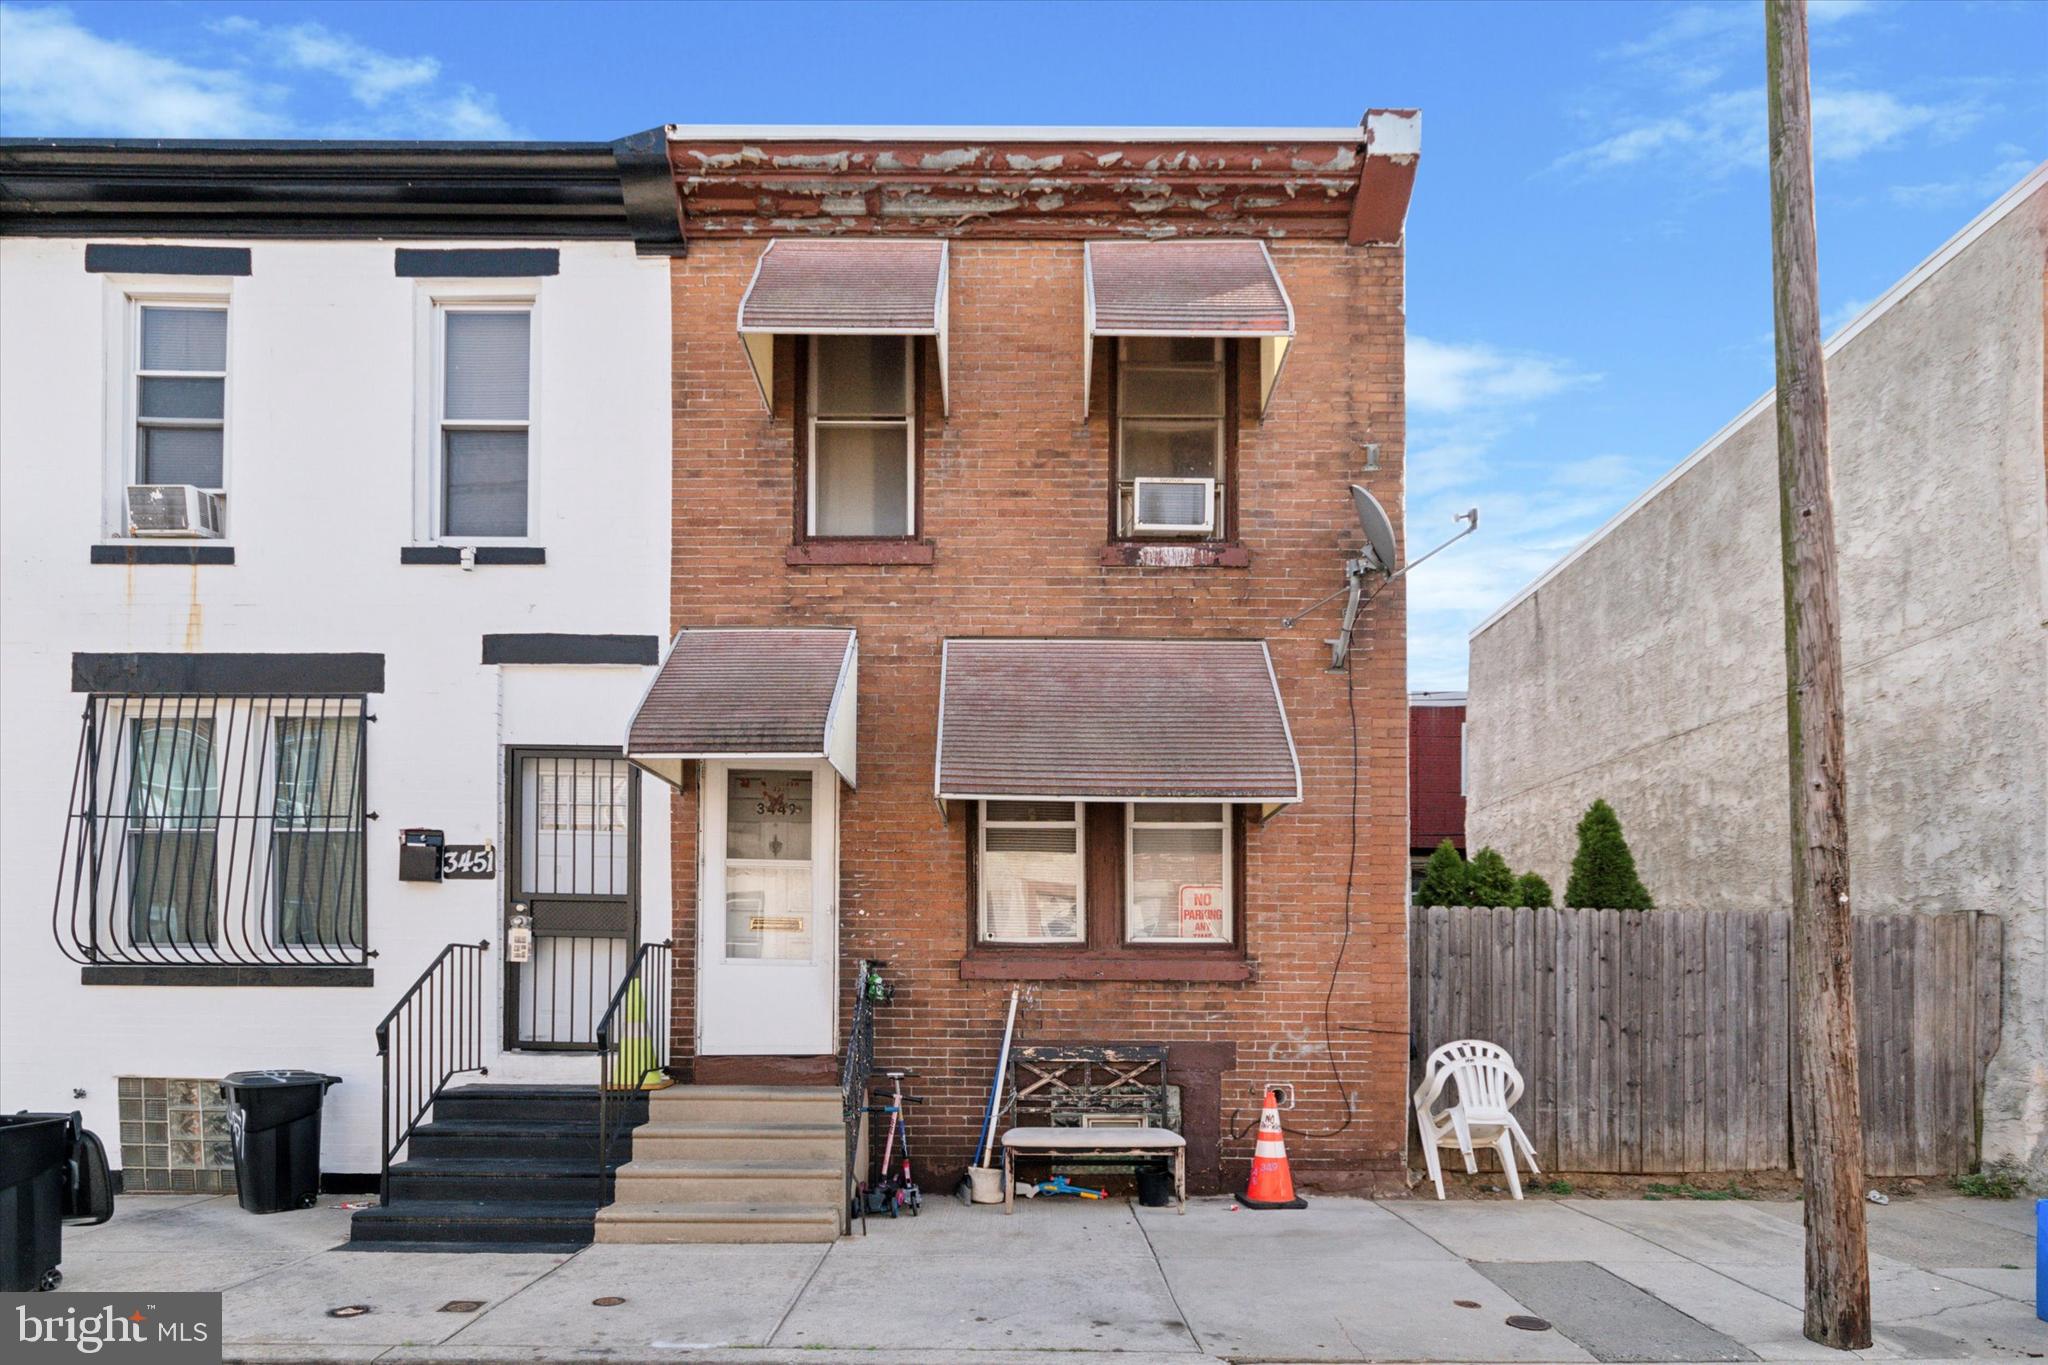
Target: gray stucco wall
(1649, 670)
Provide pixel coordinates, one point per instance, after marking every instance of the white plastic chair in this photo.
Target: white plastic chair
(1487, 1087)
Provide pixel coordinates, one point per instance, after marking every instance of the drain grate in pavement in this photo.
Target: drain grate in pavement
(1607, 1316)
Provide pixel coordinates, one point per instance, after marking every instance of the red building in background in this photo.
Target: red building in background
(1436, 775)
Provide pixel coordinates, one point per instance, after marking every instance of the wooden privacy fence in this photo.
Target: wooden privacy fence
(1660, 1041)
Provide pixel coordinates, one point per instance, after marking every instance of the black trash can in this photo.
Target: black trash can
(274, 1119)
(35, 1159)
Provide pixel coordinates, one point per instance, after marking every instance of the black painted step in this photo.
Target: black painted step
(504, 1137)
(504, 1167)
(469, 1221)
(519, 1180)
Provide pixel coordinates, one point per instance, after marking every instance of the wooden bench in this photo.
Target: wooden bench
(1086, 1099)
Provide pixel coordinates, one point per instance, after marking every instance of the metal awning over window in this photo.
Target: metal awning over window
(840, 288)
(749, 695)
(1114, 720)
(1188, 289)
(216, 830)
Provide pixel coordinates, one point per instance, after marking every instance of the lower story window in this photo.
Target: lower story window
(217, 831)
(1179, 876)
(1030, 873)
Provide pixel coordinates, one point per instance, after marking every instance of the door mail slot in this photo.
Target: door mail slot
(419, 855)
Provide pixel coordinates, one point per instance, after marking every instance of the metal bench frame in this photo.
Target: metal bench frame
(1067, 1081)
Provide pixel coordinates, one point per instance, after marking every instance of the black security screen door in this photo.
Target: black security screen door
(572, 825)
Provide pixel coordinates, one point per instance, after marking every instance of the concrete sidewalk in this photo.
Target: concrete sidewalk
(1346, 1279)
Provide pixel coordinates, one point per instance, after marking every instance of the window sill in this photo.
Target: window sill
(173, 975)
(158, 553)
(485, 555)
(1083, 966)
(1176, 554)
(825, 552)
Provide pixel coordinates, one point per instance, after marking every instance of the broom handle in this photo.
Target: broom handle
(995, 1093)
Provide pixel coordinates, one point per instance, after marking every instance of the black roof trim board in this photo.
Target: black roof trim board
(163, 554)
(149, 675)
(484, 554)
(132, 259)
(238, 189)
(572, 649)
(475, 263)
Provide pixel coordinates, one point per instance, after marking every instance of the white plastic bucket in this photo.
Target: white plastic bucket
(988, 1184)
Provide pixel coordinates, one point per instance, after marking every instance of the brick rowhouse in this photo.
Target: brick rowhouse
(1436, 772)
(1015, 488)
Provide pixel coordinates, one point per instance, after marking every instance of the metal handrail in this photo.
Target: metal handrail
(855, 1066)
(620, 1072)
(439, 1025)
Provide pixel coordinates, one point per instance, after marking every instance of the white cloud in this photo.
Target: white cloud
(1468, 403)
(1975, 189)
(398, 96)
(58, 77)
(1451, 377)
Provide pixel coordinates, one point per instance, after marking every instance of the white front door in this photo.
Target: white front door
(768, 921)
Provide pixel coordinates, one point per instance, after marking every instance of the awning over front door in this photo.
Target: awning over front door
(1188, 289)
(839, 288)
(1114, 720)
(737, 695)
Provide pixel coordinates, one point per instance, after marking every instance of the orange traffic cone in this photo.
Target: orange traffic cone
(1272, 1183)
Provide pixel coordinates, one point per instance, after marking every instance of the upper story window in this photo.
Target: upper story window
(861, 439)
(1171, 438)
(483, 423)
(181, 378)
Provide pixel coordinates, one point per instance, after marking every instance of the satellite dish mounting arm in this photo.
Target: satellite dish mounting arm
(1376, 557)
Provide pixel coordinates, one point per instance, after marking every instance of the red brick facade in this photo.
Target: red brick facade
(1436, 773)
(1016, 487)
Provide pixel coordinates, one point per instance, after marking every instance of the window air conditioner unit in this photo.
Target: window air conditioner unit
(1173, 506)
(173, 509)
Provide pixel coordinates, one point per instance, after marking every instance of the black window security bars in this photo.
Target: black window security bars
(216, 830)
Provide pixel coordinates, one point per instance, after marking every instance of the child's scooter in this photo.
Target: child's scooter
(894, 1191)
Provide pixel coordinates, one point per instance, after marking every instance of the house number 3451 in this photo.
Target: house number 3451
(477, 862)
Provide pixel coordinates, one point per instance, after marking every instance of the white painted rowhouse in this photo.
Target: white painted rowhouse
(422, 392)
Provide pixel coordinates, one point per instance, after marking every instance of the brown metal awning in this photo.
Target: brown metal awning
(749, 694)
(1114, 720)
(1188, 289)
(841, 288)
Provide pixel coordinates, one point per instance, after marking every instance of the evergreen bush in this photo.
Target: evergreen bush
(1443, 878)
(1489, 880)
(1532, 891)
(1603, 870)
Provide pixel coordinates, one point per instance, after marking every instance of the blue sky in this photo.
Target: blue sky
(1588, 247)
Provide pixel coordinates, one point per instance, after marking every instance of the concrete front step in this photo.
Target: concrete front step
(724, 1222)
(712, 1182)
(822, 1143)
(748, 1104)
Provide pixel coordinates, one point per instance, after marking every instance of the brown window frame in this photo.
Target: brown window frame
(1105, 954)
(1226, 532)
(800, 521)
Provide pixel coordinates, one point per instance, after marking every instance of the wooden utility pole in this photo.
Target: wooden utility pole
(1827, 1103)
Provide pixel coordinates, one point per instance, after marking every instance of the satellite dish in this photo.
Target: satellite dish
(1378, 528)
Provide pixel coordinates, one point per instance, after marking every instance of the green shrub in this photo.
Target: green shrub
(1532, 891)
(1489, 880)
(1443, 879)
(1992, 1182)
(1603, 870)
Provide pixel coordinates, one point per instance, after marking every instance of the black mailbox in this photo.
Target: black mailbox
(419, 855)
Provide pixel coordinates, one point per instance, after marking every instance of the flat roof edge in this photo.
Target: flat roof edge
(1999, 209)
(823, 132)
